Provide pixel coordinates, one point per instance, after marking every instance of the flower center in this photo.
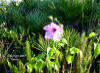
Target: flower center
(54, 29)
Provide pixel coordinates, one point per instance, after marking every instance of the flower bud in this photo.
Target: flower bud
(50, 17)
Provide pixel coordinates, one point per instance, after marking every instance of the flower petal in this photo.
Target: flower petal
(57, 36)
(61, 30)
(47, 28)
(48, 35)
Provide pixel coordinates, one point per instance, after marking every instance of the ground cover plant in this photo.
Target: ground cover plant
(58, 36)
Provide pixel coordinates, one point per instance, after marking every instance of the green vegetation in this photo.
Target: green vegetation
(23, 48)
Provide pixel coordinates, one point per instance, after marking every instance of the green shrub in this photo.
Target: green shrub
(33, 14)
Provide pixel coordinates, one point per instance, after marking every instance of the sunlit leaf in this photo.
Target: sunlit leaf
(48, 49)
(51, 52)
(57, 65)
(69, 59)
(97, 50)
(74, 50)
(92, 34)
(9, 64)
(63, 42)
(29, 68)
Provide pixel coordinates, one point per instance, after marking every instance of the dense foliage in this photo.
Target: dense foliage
(24, 49)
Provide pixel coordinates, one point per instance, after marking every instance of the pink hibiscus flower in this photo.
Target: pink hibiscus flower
(53, 31)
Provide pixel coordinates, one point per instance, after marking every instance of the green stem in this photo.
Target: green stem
(63, 68)
(90, 64)
(58, 71)
(70, 67)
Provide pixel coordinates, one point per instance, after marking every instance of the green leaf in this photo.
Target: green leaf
(21, 67)
(92, 34)
(69, 59)
(12, 34)
(97, 50)
(28, 50)
(57, 52)
(57, 65)
(9, 64)
(50, 64)
(63, 42)
(94, 71)
(51, 52)
(74, 50)
(39, 65)
(48, 49)
(29, 68)
(39, 57)
(15, 69)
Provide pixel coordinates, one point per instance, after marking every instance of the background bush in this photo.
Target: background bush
(33, 14)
